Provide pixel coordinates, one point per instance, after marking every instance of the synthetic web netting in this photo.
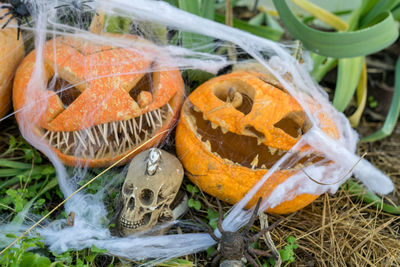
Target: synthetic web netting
(81, 95)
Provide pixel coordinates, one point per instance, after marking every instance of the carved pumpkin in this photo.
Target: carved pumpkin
(233, 128)
(11, 53)
(100, 101)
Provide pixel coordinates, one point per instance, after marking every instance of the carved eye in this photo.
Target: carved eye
(65, 91)
(294, 124)
(240, 101)
(142, 91)
(146, 197)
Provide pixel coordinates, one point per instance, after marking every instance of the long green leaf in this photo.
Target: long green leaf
(361, 97)
(192, 40)
(367, 5)
(349, 71)
(14, 164)
(393, 115)
(340, 44)
(261, 31)
(273, 23)
(396, 12)
(321, 69)
(379, 8)
(363, 194)
(257, 19)
(208, 9)
(322, 14)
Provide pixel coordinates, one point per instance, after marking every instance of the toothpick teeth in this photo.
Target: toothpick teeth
(140, 123)
(79, 137)
(47, 132)
(90, 136)
(65, 137)
(104, 133)
(147, 119)
(69, 147)
(96, 136)
(109, 138)
(135, 128)
(91, 150)
(157, 114)
(170, 109)
(115, 127)
(58, 140)
(153, 125)
(51, 137)
(126, 135)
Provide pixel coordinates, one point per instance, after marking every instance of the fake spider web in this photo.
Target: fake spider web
(164, 27)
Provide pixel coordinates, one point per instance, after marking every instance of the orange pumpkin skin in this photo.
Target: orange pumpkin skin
(11, 53)
(103, 77)
(225, 178)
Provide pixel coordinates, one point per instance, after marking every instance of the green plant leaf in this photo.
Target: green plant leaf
(349, 71)
(396, 13)
(273, 24)
(322, 14)
(262, 31)
(361, 97)
(322, 66)
(208, 9)
(197, 205)
(34, 260)
(367, 5)
(378, 9)
(362, 193)
(340, 44)
(176, 262)
(257, 19)
(212, 217)
(14, 164)
(193, 40)
(393, 115)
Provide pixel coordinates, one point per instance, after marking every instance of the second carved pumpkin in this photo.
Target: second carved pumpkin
(235, 127)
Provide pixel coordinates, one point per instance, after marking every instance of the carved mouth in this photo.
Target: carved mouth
(242, 150)
(134, 224)
(109, 139)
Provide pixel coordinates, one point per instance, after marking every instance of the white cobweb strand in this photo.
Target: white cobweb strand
(89, 227)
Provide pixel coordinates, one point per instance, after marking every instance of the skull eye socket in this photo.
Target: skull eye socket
(128, 190)
(65, 91)
(146, 197)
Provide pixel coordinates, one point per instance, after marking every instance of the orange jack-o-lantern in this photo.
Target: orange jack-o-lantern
(11, 53)
(233, 128)
(97, 103)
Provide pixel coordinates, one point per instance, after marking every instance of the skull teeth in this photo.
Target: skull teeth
(131, 224)
(109, 139)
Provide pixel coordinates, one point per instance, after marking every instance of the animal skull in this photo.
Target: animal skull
(153, 180)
